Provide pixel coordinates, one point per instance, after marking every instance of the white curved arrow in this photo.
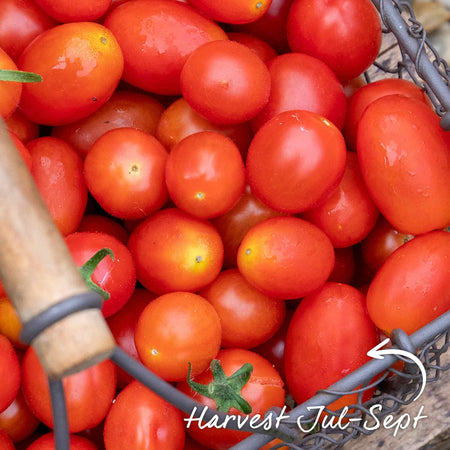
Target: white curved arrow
(377, 353)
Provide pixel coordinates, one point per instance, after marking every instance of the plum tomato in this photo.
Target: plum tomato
(205, 174)
(47, 442)
(225, 82)
(23, 128)
(413, 286)
(286, 257)
(81, 64)
(404, 157)
(103, 224)
(70, 11)
(344, 265)
(10, 91)
(6, 442)
(255, 44)
(140, 419)
(9, 373)
(247, 316)
(328, 336)
(125, 172)
(156, 38)
(344, 34)
(174, 251)
(177, 329)
(295, 161)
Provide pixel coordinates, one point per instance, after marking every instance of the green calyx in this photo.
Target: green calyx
(225, 391)
(87, 269)
(19, 76)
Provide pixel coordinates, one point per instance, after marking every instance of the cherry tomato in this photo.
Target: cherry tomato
(156, 38)
(10, 325)
(225, 82)
(344, 34)
(103, 224)
(286, 257)
(247, 316)
(174, 251)
(205, 174)
(123, 109)
(404, 157)
(284, 172)
(9, 373)
(302, 82)
(255, 44)
(124, 172)
(89, 393)
(328, 337)
(24, 129)
(344, 265)
(79, 11)
(413, 286)
(58, 173)
(47, 442)
(139, 419)
(10, 91)
(81, 64)
(5, 441)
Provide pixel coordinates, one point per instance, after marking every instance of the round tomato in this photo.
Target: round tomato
(9, 373)
(79, 11)
(23, 128)
(47, 442)
(103, 224)
(286, 257)
(255, 44)
(10, 91)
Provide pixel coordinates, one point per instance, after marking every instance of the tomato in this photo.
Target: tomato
(81, 65)
(174, 251)
(58, 173)
(24, 152)
(116, 277)
(263, 391)
(367, 94)
(344, 265)
(24, 129)
(344, 34)
(124, 172)
(225, 82)
(10, 91)
(123, 109)
(123, 327)
(179, 120)
(140, 419)
(404, 157)
(413, 285)
(349, 213)
(255, 44)
(328, 337)
(5, 441)
(156, 38)
(9, 373)
(174, 330)
(286, 257)
(302, 82)
(88, 393)
(47, 442)
(295, 161)
(205, 174)
(10, 325)
(247, 316)
(79, 11)
(103, 224)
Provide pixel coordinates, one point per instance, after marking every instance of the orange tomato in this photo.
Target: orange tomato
(9, 90)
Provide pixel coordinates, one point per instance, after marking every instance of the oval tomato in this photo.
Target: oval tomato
(5, 441)
(9, 373)
(47, 442)
(344, 265)
(79, 11)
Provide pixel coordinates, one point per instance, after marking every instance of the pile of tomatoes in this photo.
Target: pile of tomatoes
(262, 204)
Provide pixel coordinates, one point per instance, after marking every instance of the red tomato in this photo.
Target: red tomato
(47, 442)
(70, 11)
(225, 82)
(263, 391)
(348, 214)
(286, 257)
(404, 157)
(23, 128)
(24, 152)
(344, 265)
(328, 337)
(139, 419)
(81, 64)
(124, 172)
(205, 174)
(295, 161)
(103, 224)
(5, 441)
(174, 251)
(89, 393)
(116, 277)
(174, 330)
(304, 83)
(247, 316)
(413, 285)
(9, 373)
(344, 34)
(156, 38)
(123, 109)
(255, 44)
(58, 173)
(10, 91)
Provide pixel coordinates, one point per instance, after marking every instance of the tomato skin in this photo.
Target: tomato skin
(5, 441)
(24, 129)
(328, 336)
(174, 251)
(255, 44)
(286, 257)
(156, 38)
(79, 11)
(47, 442)
(89, 393)
(282, 169)
(58, 173)
(10, 91)
(141, 420)
(344, 265)
(344, 34)
(10, 325)
(348, 214)
(404, 157)
(9, 373)
(103, 224)
(413, 285)
(81, 64)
